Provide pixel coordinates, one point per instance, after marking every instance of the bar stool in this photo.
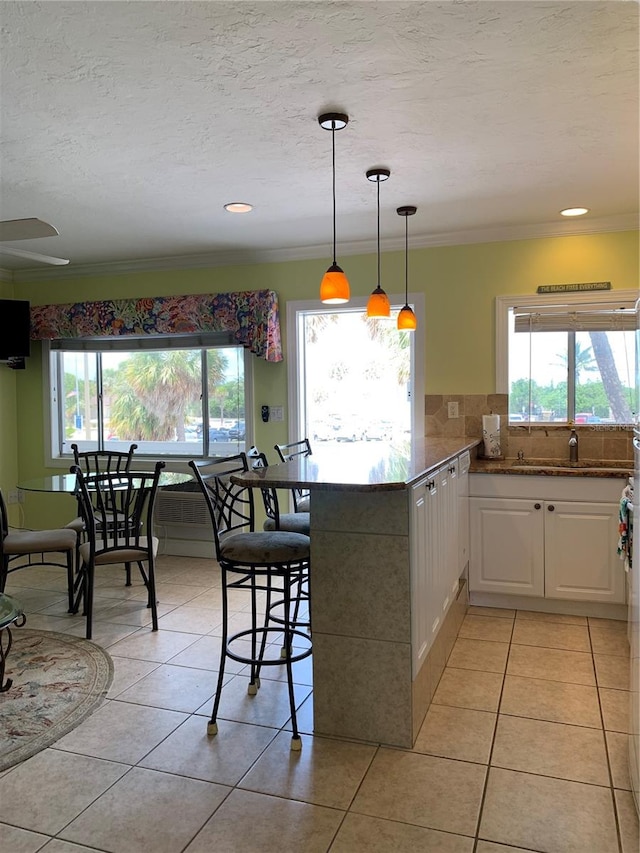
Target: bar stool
(291, 451)
(270, 562)
(295, 522)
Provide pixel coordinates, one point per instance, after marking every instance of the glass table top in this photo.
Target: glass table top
(10, 610)
(66, 483)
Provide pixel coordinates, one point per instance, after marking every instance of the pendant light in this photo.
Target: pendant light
(378, 304)
(407, 321)
(334, 287)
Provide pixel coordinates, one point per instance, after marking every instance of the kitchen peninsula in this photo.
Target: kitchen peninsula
(386, 593)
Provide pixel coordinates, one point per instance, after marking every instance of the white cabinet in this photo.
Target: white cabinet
(434, 556)
(580, 542)
(560, 547)
(507, 546)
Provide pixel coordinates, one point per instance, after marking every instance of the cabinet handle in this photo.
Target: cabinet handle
(551, 507)
(431, 484)
(536, 506)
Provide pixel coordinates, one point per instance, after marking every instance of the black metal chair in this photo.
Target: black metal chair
(117, 511)
(98, 462)
(270, 562)
(295, 522)
(286, 452)
(20, 548)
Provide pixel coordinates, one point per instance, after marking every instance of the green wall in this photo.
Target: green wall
(459, 284)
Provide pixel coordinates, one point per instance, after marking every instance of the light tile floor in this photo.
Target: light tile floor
(523, 748)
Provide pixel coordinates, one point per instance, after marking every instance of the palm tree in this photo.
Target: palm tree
(620, 407)
(153, 390)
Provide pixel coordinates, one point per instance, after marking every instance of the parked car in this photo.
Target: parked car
(349, 430)
(378, 431)
(237, 431)
(216, 434)
(323, 431)
(586, 418)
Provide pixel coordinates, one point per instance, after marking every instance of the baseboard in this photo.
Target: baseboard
(597, 609)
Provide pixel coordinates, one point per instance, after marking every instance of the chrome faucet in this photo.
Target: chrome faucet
(573, 446)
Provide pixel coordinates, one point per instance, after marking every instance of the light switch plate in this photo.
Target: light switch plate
(277, 413)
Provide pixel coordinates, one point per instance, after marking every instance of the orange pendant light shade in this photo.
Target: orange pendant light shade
(334, 287)
(378, 304)
(407, 320)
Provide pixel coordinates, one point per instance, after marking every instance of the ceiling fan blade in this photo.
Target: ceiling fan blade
(33, 256)
(26, 229)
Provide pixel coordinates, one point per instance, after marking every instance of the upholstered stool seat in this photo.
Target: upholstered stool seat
(295, 522)
(303, 504)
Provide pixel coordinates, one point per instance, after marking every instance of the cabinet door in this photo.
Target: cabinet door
(446, 512)
(435, 523)
(581, 562)
(507, 546)
(421, 568)
(452, 533)
(463, 521)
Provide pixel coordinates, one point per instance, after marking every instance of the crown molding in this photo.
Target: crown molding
(626, 222)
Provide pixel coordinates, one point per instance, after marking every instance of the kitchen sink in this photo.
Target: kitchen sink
(586, 465)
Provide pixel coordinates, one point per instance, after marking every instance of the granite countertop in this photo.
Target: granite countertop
(381, 468)
(554, 467)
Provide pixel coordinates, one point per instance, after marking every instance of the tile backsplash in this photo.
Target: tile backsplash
(544, 441)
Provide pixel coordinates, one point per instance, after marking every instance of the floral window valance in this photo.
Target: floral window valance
(252, 316)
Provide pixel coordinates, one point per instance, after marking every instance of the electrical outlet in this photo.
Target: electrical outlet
(277, 413)
(14, 496)
(452, 409)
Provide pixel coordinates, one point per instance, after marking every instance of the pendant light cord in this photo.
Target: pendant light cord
(333, 167)
(406, 260)
(378, 182)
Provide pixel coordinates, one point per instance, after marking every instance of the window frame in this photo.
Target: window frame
(295, 341)
(503, 304)
(51, 380)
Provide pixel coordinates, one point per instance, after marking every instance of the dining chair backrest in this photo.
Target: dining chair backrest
(4, 518)
(231, 507)
(269, 495)
(286, 452)
(103, 461)
(117, 508)
(295, 448)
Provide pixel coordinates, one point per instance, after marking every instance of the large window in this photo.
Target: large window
(185, 399)
(569, 360)
(354, 380)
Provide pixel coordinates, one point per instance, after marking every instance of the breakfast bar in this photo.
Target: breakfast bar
(371, 679)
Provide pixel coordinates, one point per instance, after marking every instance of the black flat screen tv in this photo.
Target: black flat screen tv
(15, 329)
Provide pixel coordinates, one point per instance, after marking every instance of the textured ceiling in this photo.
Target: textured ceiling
(128, 125)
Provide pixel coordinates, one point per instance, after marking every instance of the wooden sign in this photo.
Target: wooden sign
(570, 288)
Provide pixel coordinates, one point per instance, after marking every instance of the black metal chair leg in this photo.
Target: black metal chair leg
(70, 581)
(296, 741)
(212, 725)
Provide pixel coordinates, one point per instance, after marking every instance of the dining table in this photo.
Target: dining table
(66, 483)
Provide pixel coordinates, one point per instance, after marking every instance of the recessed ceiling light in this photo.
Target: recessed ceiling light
(238, 207)
(574, 211)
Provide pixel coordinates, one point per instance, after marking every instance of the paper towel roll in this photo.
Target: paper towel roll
(491, 435)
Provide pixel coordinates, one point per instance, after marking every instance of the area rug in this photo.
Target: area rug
(58, 681)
